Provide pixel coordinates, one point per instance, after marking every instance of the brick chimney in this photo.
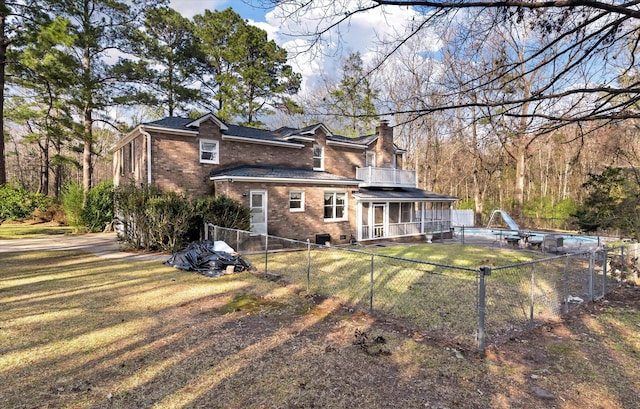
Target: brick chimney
(384, 146)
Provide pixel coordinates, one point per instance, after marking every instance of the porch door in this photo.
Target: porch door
(258, 206)
(379, 219)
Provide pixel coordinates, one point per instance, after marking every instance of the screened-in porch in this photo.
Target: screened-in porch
(386, 214)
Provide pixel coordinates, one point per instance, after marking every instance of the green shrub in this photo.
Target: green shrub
(151, 219)
(16, 203)
(131, 212)
(98, 208)
(223, 211)
(72, 198)
(168, 218)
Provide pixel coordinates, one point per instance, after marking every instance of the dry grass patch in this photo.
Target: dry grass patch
(78, 331)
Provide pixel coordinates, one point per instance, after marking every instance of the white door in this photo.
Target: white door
(379, 220)
(258, 205)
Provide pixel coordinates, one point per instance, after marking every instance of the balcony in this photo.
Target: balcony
(385, 177)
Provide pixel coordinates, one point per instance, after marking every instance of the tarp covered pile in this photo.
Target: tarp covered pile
(210, 258)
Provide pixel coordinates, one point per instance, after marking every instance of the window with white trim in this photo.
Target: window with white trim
(335, 206)
(132, 157)
(370, 159)
(296, 201)
(209, 151)
(318, 157)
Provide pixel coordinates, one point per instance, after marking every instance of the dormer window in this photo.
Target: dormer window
(318, 157)
(209, 151)
(370, 159)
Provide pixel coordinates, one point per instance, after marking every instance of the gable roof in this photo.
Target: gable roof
(280, 174)
(284, 136)
(196, 123)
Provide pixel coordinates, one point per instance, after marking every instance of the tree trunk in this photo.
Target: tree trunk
(87, 147)
(3, 61)
(87, 166)
(521, 154)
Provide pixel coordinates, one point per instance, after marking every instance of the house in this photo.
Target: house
(299, 183)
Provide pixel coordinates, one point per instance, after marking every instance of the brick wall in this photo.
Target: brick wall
(296, 225)
(233, 153)
(384, 145)
(176, 164)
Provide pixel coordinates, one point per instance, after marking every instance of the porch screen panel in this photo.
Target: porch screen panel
(365, 213)
(394, 212)
(406, 212)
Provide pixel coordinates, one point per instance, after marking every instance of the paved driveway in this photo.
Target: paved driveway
(100, 244)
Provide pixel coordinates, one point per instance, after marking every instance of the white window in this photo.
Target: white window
(209, 151)
(132, 157)
(370, 159)
(335, 206)
(318, 157)
(296, 201)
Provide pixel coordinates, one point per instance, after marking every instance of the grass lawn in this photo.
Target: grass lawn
(26, 231)
(419, 293)
(77, 331)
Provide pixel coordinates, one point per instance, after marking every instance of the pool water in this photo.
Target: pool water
(574, 240)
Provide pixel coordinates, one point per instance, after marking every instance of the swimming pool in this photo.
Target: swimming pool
(530, 237)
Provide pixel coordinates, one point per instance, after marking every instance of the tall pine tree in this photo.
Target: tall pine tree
(244, 72)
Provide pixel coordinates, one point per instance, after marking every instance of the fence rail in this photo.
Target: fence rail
(470, 305)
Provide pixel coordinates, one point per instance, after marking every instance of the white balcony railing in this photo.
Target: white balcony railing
(385, 177)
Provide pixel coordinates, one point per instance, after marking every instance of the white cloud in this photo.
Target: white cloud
(362, 32)
(189, 8)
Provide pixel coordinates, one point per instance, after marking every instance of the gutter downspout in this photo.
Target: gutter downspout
(148, 135)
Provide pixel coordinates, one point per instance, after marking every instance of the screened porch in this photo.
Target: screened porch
(380, 220)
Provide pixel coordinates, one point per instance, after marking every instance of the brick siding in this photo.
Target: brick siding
(297, 225)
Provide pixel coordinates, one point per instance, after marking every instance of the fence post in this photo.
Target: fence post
(371, 284)
(623, 262)
(206, 231)
(482, 272)
(591, 268)
(266, 253)
(238, 241)
(532, 296)
(604, 271)
(462, 234)
(215, 233)
(566, 284)
(308, 265)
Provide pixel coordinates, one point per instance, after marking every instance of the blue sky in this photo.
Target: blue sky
(360, 34)
(189, 8)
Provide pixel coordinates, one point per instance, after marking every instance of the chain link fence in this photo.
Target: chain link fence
(461, 304)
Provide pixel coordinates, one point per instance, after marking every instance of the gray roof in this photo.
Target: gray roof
(271, 172)
(406, 194)
(360, 140)
(172, 122)
(278, 135)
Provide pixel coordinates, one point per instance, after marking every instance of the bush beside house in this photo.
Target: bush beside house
(150, 219)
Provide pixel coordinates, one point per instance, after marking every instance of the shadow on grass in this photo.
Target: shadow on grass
(122, 334)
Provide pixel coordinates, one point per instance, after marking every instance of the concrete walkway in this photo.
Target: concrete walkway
(103, 245)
